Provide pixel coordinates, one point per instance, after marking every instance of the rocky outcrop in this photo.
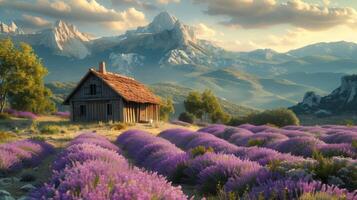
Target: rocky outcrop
(341, 100)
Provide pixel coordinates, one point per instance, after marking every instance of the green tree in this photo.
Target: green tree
(166, 109)
(21, 79)
(206, 107)
(193, 104)
(212, 107)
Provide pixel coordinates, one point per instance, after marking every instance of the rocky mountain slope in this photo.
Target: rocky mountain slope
(341, 100)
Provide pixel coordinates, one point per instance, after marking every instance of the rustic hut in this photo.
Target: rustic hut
(106, 96)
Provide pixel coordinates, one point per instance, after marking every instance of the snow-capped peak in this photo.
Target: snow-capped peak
(65, 31)
(66, 39)
(10, 29)
(163, 21)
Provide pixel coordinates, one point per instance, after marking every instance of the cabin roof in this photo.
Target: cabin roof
(130, 89)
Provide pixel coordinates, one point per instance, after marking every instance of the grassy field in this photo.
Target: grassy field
(58, 132)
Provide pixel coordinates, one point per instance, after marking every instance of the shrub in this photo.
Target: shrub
(187, 117)
(200, 150)
(331, 169)
(50, 129)
(278, 117)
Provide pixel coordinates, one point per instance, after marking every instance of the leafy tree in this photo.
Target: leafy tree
(205, 105)
(166, 109)
(193, 104)
(21, 79)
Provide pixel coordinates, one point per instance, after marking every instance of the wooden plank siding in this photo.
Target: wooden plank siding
(96, 105)
(136, 112)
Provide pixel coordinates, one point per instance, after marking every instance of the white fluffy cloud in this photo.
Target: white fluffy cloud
(167, 1)
(34, 22)
(87, 11)
(266, 13)
(146, 5)
(204, 32)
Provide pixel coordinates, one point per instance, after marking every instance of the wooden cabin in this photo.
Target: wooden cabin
(106, 96)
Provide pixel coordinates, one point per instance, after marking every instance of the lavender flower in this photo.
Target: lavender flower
(341, 149)
(265, 138)
(340, 137)
(85, 171)
(23, 153)
(300, 146)
(290, 189)
(62, 114)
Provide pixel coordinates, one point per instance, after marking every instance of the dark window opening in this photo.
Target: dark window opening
(109, 109)
(82, 110)
(93, 89)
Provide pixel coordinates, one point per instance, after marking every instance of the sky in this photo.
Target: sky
(236, 25)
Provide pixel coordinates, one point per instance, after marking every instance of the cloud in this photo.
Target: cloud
(135, 3)
(204, 32)
(33, 22)
(265, 13)
(87, 11)
(167, 1)
(127, 21)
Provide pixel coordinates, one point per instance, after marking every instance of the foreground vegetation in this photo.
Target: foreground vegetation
(218, 162)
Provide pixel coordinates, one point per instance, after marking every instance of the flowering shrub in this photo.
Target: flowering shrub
(300, 146)
(62, 114)
(23, 153)
(21, 114)
(85, 171)
(291, 189)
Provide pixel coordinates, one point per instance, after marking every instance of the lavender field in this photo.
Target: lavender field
(214, 162)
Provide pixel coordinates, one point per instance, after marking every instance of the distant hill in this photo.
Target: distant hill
(179, 94)
(341, 49)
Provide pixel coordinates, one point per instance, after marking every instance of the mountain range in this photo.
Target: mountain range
(168, 51)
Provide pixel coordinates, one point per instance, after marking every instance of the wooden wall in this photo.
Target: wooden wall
(97, 110)
(96, 105)
(136, 112)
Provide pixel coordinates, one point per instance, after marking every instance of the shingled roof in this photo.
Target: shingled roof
(130, 89)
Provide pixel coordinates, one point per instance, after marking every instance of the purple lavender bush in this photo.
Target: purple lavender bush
(340, 137)
(292, 189)
(62, 114)
(179, 137)
(151, 152)
(89, 170)
(99, 180)
(264, 139)
(211, 170)
(341, 149)
(23, 153)
(299, 146)
(21, 114)
(92, 138)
